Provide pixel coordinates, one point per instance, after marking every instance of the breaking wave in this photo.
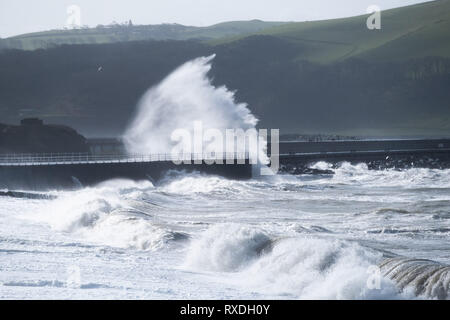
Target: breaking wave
(227, 248)
(305, 268)
(110, 215)
(427, 278)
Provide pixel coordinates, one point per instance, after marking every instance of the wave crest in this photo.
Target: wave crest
(428, 278)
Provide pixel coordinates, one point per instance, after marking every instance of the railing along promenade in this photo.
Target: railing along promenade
(34, 159)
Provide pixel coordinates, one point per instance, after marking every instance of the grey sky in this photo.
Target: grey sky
(22, 16)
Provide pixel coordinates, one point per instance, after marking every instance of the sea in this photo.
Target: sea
(354, 234)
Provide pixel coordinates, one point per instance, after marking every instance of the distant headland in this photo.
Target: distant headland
(33, 136)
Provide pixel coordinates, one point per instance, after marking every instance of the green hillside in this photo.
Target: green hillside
(409, 32)
(124, 33)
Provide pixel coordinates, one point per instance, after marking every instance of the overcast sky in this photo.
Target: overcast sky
(22, 16)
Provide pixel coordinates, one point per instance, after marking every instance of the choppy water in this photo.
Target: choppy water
(195, 236)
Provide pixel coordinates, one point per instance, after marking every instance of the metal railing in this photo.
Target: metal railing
(83, 158)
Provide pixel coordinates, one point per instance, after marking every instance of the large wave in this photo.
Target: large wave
(293, 267)
(182, 98)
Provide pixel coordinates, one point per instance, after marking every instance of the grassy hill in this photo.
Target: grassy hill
(124, 33)
(409, 32)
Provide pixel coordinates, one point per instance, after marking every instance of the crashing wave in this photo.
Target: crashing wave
(297, 267)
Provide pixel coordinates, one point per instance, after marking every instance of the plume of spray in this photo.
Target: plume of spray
(184, 97)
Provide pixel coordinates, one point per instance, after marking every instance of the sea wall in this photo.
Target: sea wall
(63, 176)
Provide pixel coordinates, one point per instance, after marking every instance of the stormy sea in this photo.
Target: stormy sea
(349, 233)
(196, 237)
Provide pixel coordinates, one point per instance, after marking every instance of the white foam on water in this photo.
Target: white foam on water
(102, 214)
(295, 237)
(405, 178)
(321, 165)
